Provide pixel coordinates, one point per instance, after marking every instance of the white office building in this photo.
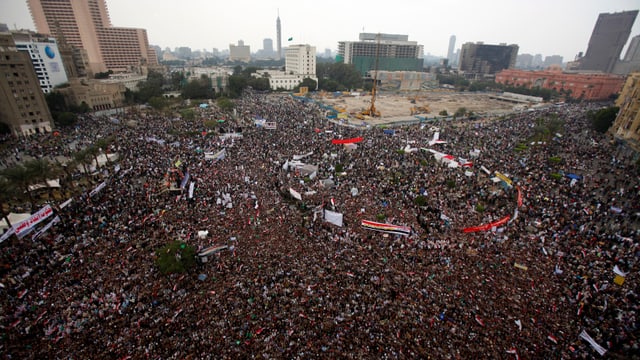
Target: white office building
(45, 58)
(300, 63)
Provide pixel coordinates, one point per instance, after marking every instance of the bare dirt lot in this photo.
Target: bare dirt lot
(399, 106)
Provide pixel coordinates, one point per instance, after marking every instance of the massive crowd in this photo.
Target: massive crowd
(291, 285)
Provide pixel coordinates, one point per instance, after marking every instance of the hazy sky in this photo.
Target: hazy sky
(547, 27)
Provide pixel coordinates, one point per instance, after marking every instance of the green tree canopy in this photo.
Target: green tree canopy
(338, 76)
(225, 104)
(198, 89)
(150, 87)
(309, 83)
(602, 119)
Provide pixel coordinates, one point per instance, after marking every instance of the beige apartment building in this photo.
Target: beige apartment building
(22, 104)
(627, 124)
(86, 24)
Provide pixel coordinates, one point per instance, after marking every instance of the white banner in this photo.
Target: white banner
(298, 157)
(192, 186)
(271, 125)
(24, 227)
(46, 228)
(295, 194)
(10, 231)
(97, 189)
(333, 217)
(216, 156)
(66, 203)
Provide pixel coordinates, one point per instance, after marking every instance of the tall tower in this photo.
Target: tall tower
(86, 24)
(607, 40)
(452, 45)
(279, 33)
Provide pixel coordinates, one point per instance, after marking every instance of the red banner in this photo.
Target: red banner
(519, 196)
(347, 141)
(487, 226)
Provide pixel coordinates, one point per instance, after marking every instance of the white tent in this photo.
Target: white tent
(14, 219)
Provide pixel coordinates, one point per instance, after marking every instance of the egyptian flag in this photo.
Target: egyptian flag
(386, 228)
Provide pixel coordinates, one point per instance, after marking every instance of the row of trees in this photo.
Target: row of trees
(16, 180)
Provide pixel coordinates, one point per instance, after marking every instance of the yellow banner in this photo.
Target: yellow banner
(504, 178)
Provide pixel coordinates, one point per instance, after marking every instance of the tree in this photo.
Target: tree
(150, 87)
(93, 152)
(309, 83)
(602, 119)
(158, 102)
(188, 114)
(198, 89)
(443, 113)
(338, 76)
(103, 144)
(7, 189)
(65, 118)
(460, 112)
(20, 177)
(84, 158)
(41, 169)
(225, 104)
(175, 257)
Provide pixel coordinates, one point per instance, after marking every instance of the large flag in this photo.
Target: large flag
(347, 141)
(487, 226)
(333, 217)
(593, 343)
(387, 228)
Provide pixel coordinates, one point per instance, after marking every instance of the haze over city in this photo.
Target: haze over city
(538, 27)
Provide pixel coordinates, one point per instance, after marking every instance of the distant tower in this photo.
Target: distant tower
(607, 40)
(278, 29)
(452, 46)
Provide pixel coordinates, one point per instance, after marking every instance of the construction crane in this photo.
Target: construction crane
(372, 111)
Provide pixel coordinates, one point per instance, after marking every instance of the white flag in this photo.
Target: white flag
(333, 217)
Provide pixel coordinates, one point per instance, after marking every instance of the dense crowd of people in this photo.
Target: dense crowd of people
(291, 285)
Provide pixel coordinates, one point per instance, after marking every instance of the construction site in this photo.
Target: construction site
(416, 105)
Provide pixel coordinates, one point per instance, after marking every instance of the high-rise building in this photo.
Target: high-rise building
(86, 24)
(607, 40)
(267, 46)
(631, 61)
(485, 59)
(22, 104)
(300, 63)
(279, 34)
(452, 46)
(633, 52)
(390, 52)
(45, 57)
(301, 60)
(524, 61)
(552, 60)
(240, 52)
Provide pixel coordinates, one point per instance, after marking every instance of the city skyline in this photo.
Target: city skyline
(541, 27)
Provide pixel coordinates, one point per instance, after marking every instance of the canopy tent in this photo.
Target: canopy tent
(13, 219)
